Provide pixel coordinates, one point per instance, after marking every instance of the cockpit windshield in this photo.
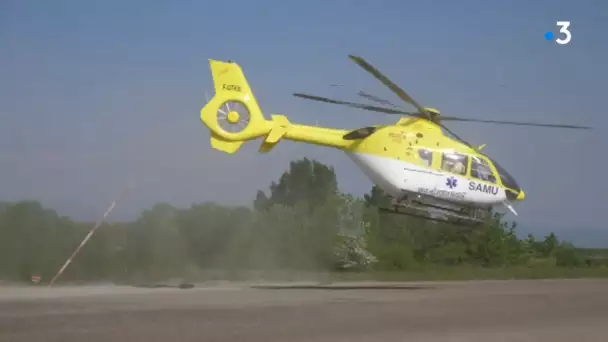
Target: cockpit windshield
(507, 179)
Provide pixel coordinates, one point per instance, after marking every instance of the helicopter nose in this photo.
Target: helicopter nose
(521, 195)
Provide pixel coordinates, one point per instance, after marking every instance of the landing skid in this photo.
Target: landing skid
(451, 219)
(448, 212)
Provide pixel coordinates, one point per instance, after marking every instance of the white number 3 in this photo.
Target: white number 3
(564, 29)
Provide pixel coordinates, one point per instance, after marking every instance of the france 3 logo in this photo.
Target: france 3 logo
(563, 37)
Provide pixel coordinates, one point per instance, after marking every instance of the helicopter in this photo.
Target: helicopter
(424, 172)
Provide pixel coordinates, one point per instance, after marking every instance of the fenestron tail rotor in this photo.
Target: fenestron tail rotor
(232, 116)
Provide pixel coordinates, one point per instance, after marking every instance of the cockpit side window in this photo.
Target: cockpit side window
(454, 163)
(480, 169)
(505, 177)
(426, 156)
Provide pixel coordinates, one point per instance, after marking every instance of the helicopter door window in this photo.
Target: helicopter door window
(454, 163)
(426, 156)
(480, 169)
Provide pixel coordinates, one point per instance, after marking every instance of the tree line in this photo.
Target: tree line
(302, 222)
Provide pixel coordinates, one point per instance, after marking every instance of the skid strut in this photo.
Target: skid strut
(453, 214)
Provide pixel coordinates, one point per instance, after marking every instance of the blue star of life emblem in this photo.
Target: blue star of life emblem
(451, 182)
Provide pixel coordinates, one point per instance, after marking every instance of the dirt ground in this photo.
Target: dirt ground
(552, 310)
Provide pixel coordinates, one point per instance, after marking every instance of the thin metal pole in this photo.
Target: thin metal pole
(86, 238)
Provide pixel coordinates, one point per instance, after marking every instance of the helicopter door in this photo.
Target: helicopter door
(422, 177)
(451, 182)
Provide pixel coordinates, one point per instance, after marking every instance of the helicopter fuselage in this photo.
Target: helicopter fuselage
(410, 157)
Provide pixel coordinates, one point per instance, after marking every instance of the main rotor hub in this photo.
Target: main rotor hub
(432, 111)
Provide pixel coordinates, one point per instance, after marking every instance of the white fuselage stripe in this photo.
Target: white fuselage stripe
(397, 176)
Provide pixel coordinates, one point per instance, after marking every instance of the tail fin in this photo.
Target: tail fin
(233, 115)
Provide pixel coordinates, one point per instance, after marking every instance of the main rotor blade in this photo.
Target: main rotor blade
(376, 99)
(455, 135)
(518, 123)
(353, 104)
(387, 82)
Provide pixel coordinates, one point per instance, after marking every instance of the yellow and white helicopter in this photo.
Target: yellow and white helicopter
(425, 172)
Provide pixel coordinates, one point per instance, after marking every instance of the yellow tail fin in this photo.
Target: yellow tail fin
(233, 116)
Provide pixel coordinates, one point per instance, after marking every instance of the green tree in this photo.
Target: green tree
(209, 229)
(302, 223)
(550, 245)
(301, 218)
(306, 180)
(389, 236)
(566, 255)
(155, 246)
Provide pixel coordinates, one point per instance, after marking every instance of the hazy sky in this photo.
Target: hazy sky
(95, 92)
